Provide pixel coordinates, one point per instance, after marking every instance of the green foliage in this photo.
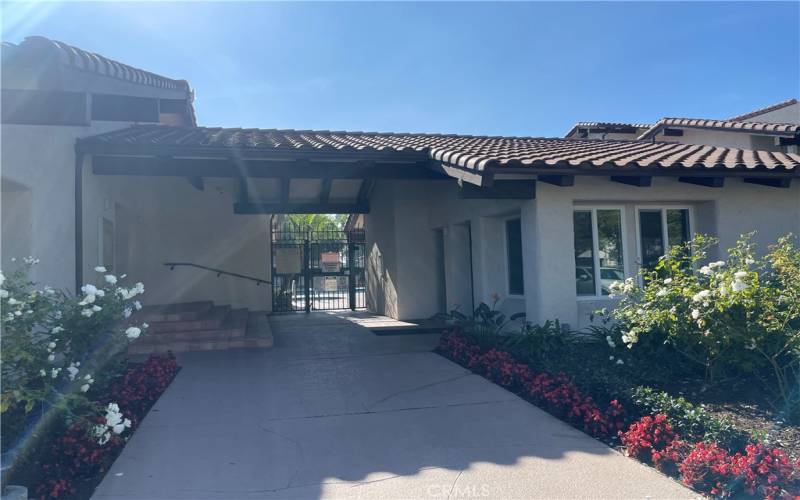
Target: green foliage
(688, 420)
(738, 316)
(541, 344)
(486, 325)
(317, 222)
(46, 338)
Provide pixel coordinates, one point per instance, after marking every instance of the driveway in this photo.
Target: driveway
(334, 411)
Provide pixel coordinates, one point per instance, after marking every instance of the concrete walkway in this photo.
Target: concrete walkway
(334, 411)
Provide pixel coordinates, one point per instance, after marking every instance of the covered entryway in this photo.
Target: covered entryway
(213, 200)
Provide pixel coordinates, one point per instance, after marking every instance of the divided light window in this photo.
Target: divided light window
(659, 229)
(599, 259)
(516, 284)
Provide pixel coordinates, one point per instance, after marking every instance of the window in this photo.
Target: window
(599, 259)
(516, 284)
(660, 229)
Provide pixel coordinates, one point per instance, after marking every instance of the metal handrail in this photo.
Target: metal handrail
(220, 272)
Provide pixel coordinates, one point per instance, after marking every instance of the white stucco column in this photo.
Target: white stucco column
(547, 244)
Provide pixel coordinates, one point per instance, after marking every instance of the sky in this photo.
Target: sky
(525, 69)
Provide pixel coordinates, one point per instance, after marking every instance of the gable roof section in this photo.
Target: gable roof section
(476, 154)
(39, 48)
(780, 129)
(762, 111)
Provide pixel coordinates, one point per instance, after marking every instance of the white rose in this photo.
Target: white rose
(133, 332)
(100, 269)
(111, 279)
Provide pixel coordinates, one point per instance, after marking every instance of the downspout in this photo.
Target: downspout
(78, 219)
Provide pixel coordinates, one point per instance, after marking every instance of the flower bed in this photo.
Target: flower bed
(709, 468)
(76, 461)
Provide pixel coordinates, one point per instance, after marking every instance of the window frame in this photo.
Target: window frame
(664, 229)
(505, 221)
(598, 284)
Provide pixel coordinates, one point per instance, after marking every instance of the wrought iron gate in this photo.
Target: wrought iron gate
(317, 270)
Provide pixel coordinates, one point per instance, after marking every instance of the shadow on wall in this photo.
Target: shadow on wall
(381, 292)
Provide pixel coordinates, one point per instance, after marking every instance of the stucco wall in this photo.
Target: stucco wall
(548, 240)
(155, 220)
(168, 220)
(41, 160)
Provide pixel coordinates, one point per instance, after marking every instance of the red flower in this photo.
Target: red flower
(77, 455)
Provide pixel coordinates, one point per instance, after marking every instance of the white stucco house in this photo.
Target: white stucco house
(103, 164)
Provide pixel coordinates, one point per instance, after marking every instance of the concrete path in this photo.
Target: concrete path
(334, 411)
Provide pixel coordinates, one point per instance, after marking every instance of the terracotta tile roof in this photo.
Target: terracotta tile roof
(475, 153)
(39, 48)
(607, 125)
(762, 111)
(784, 129)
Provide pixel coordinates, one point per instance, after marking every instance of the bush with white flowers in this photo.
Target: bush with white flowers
(740, 315)
(52, 341)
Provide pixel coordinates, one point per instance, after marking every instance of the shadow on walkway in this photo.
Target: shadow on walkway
(336, 411)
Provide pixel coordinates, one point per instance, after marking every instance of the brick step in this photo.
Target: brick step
(186, 311)
(258, 335)
(199, 345)
(213, 320)
(234, 326)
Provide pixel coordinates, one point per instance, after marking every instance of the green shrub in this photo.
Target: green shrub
(735, 316)
(53, 344)
(687, 419)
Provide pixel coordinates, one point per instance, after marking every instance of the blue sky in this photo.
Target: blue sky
(477, 68)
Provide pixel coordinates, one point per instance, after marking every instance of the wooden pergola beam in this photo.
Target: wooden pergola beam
(325, 191)
(712, 182)
(500, 190)
(784, 182)
(633, 180)
(557, 180)
(253, 208)
(302, 169)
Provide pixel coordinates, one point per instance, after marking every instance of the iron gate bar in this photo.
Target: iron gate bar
(311, 288)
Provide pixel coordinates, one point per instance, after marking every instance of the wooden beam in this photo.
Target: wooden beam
(713, 182)
(300, 208)
(364, 191)
(285, 186)
(558, 180)
(463, 175)
(500, 190)
(783, 182)
(221, 167)
(325, 192)
(633, 180)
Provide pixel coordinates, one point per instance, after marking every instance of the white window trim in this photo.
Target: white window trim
(598, 283)
(664, 236)
(505, 256)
